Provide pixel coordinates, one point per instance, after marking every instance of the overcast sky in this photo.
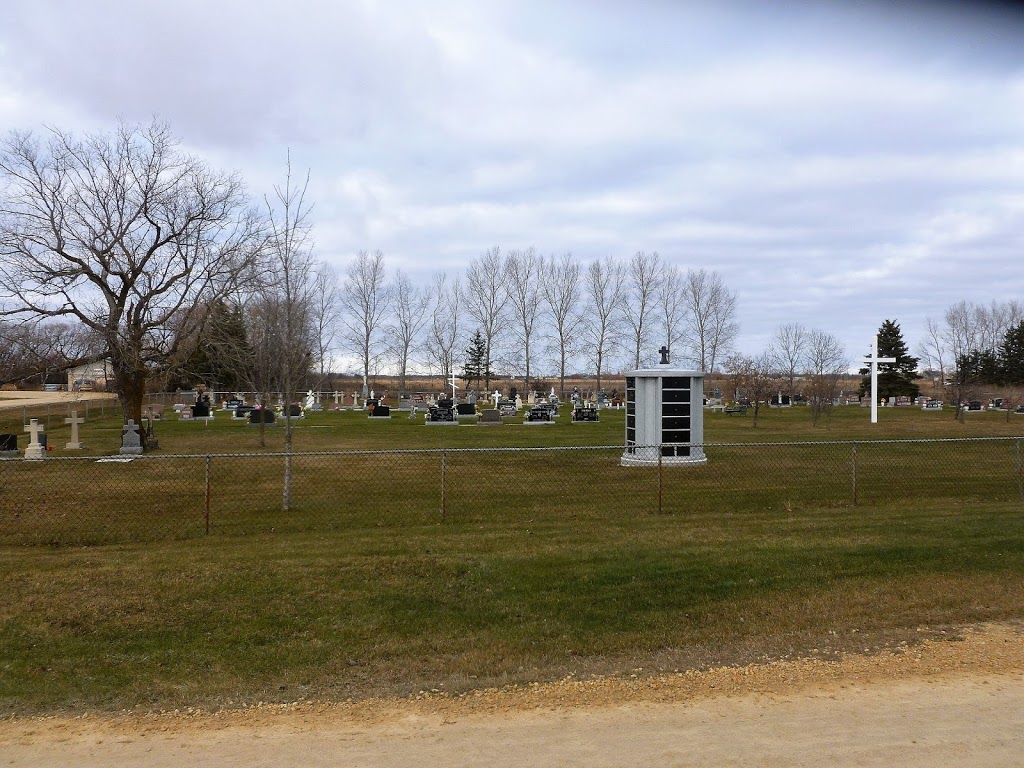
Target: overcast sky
(839, 163)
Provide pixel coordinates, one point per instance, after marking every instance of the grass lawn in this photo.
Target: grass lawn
(553, 564)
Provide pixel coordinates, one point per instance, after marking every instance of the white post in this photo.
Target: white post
(453, 385)
(873, 362)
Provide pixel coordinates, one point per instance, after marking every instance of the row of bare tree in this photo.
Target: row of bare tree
(534, 313)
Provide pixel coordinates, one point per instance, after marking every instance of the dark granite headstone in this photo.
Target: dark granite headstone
(441, 414)
(8, 443)
(201, 410)
(381, 412)
(585, 414)
(294, 410)
(264, 415)
(538, 414)
(974, 405)
(465, 409)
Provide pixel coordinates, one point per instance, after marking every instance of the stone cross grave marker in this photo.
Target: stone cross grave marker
(35, 450)
(74, 421)
(873, 360)
(130, 442)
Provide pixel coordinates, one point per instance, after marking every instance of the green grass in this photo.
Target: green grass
(534, 565)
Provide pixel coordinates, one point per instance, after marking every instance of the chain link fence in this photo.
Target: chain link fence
(81, 501)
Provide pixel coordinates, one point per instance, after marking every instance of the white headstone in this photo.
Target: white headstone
(496, 397)
(74, 421)
(35, 450)
(310, 400)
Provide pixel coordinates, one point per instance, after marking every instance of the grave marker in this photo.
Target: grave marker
(36, 450)
(74, 421)
(131, 443)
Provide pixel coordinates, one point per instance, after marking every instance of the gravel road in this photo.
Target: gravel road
(954, 701)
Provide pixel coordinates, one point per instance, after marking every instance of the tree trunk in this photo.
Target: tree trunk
(131, 391)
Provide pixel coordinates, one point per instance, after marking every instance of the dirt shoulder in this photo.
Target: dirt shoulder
(19, 399)
(960, 698)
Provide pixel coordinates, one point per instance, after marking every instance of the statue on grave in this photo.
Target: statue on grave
(310, 400)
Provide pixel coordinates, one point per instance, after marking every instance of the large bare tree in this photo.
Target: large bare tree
(712, 318)
(444, 331)
(670, 296)
(365, 297)
(409, 317)
(826, 363)
(789, 348)
(485, 300)
(644, 276)
(560, 288)
(605, 288)
(124, 233)
(324, 296)
(523, 270)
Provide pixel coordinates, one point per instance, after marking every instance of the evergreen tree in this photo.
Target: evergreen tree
(476, 368)
(979, 368)
(897, 378)
(1011, 356)
(216, 352)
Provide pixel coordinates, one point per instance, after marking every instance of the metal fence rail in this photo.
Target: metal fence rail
(76, 500)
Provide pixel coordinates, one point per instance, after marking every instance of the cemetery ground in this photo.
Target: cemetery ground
(548, 567)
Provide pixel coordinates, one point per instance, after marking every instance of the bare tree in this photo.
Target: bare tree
(933, 349)
(963, 335)
(288, 299)
(31, 349)
(788, 349)
(443, 332)
(409, 318)
(712, 318)
(756, 377)
(124, 233)
(826, 364)
(486, 299)
(523, 275)
(560, 288)
(605, 287)
(325, 300)
(671, 303)
(644, 274)
(364, 299)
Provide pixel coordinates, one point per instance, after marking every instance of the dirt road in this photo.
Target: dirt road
(957, 701)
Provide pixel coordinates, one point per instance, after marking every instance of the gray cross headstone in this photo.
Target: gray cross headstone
(35, 450)
(130, 442)
(74, 421)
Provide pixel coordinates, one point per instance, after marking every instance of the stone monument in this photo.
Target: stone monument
(35, 450)
(74, 421)
(664, 416)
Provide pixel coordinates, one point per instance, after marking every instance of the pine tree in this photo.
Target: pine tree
(476, 368)
(897, 378)
(1011, 356)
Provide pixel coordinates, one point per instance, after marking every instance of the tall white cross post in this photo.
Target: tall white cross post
(873, 360)
(453, 384)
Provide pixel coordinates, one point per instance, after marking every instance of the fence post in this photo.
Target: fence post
(854, 474)
(659, 479)
(444, 510)
(1020, 471)
(207, 511)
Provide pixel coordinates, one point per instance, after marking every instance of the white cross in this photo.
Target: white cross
(453, 385)
(35, 428)
(873, 360)
(74, 421)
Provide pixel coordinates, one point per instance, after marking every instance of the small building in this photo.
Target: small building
(89, 377)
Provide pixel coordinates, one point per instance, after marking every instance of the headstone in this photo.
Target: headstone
(490, 416)
(519, 403)
(310, 400)
(585, 414)
(465, 411)
(381, 412)
(74, 421)
(131, 443)
(8, 444)
(258, 415)
(295, 411)
(974, 405)
(243, 411)
(496, 397)
(201, 410)
(154, 411)
(471, 397)
(513, 393)
(538, 415)
(335, 397)
(355, 399)
(36, 450)
(233, 403)
(442, 412)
